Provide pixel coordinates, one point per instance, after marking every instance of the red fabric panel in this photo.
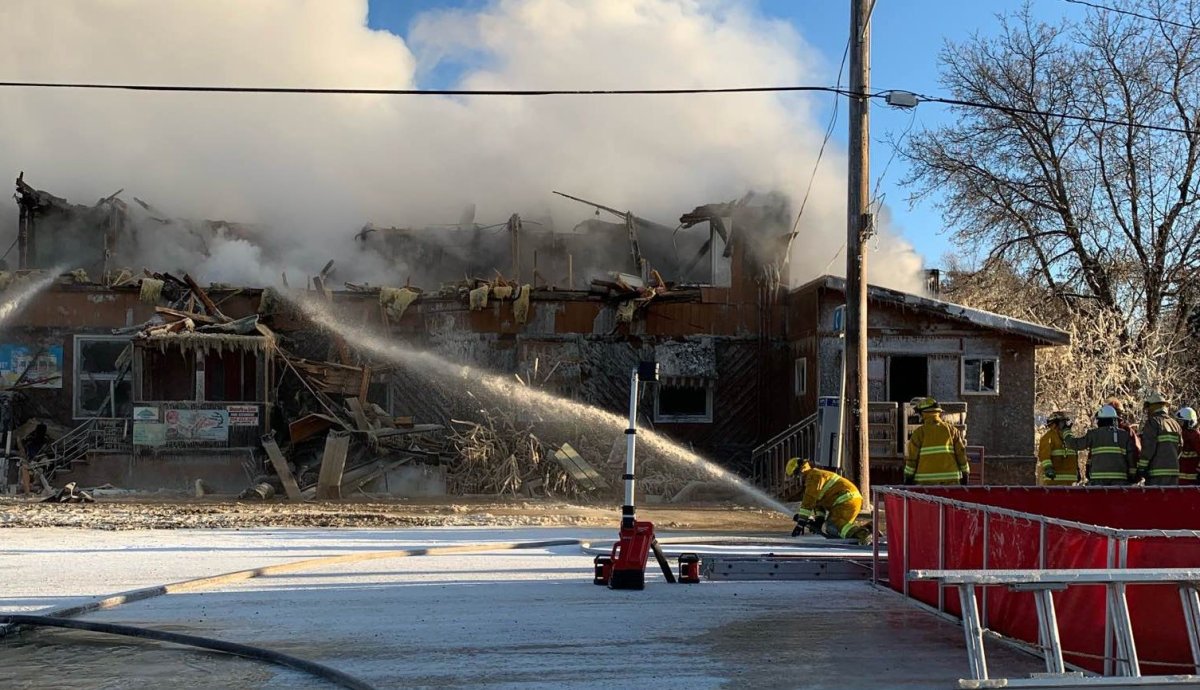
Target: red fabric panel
(1080, 610)
(964, 550)
(922, 546)
(1012, 543)
(1118, 507)
(894, 529)
(1156, 612)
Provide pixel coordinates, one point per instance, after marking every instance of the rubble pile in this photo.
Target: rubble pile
(503, 457)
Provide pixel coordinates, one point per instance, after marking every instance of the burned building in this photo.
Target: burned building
(171, 382)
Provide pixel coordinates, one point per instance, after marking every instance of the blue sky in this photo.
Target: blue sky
(907, 35)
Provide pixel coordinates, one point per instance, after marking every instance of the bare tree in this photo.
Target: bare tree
(1101, 214)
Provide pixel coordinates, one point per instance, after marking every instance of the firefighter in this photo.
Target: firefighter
(1189, 448)
(1159, 463)
(830, 504)
(936, 453)
(1057, 464)
(1110, 448)
(1123, 423)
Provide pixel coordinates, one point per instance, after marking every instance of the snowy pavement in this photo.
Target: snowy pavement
(506, 619)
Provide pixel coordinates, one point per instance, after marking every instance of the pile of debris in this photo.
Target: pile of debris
(502, 455)
(340, 451)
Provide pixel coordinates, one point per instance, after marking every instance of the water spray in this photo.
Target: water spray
(16, 301)
(504, 387)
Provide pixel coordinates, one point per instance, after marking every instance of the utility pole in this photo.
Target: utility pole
(858, 226)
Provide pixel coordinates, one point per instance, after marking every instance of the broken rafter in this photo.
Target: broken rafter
(204, 298)
(197, 317)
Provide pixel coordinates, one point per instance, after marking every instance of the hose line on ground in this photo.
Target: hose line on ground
(62, 617)
(258, 653)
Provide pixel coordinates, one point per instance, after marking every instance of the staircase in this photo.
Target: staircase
(767, 461)
(70, 448)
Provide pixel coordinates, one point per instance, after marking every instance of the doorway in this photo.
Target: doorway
(908, 378)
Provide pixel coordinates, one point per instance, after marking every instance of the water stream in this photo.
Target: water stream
(505, 388)
(19, 294)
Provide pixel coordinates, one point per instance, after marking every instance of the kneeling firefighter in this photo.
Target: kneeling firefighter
(830, 504)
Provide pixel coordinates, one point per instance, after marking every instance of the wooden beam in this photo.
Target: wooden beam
(281, 468)
(204, 298)
(333, 463)
(360, 416)
(195, 316)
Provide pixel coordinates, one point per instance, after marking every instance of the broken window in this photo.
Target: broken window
(980, 375)
(167, 375)
(231, 376)
(688, 400)
(103, 385)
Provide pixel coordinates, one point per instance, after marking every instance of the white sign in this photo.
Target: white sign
(242, 415)
(145, 414)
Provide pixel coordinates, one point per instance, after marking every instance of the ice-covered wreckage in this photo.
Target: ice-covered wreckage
(165, 382)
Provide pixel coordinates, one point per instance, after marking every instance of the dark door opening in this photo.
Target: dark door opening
(908, 378)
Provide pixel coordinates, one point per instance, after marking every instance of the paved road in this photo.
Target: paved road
(528, 619)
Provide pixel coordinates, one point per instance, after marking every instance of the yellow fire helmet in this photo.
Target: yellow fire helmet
(926, 405)
(1154, 398)
(796, 465)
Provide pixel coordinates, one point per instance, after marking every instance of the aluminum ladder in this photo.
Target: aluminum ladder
(1043, 584)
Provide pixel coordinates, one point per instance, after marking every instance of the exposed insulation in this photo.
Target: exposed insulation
(502, 291)
(395, 301)
(80, 276)
(151, 291)
(625, 311)
(521, 305)
(479, 297)
(7, 278)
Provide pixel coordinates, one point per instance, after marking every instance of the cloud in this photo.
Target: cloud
(316, 168)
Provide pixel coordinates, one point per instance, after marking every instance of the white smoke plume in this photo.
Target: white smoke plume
(314, 169)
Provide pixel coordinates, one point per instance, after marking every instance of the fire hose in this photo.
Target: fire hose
(246, 651)
(61, 617)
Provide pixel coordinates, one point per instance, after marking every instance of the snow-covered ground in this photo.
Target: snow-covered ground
(505, 619)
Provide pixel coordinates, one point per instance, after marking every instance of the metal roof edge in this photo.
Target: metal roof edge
(1044, 335)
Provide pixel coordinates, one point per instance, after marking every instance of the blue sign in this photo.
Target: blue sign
(42, 366)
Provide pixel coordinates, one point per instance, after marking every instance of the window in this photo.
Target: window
(231, 376)
(800, 376)
(684, 400)
(167, 375)
(103, 382)
(980, 375)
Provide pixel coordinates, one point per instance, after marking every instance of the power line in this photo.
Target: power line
(411, 92)
(828, 133)
(1131, 13)
(1065, 116)
(821, 151)
(576, 92)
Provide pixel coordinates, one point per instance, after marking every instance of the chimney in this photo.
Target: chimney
(933, 281)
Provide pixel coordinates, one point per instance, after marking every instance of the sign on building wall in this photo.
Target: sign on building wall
(197, 425)
(145, 414)
(242, 415)
(46, 369)
(149, 434)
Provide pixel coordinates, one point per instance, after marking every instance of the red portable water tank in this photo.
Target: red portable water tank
(689, 568)
(603, 565)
